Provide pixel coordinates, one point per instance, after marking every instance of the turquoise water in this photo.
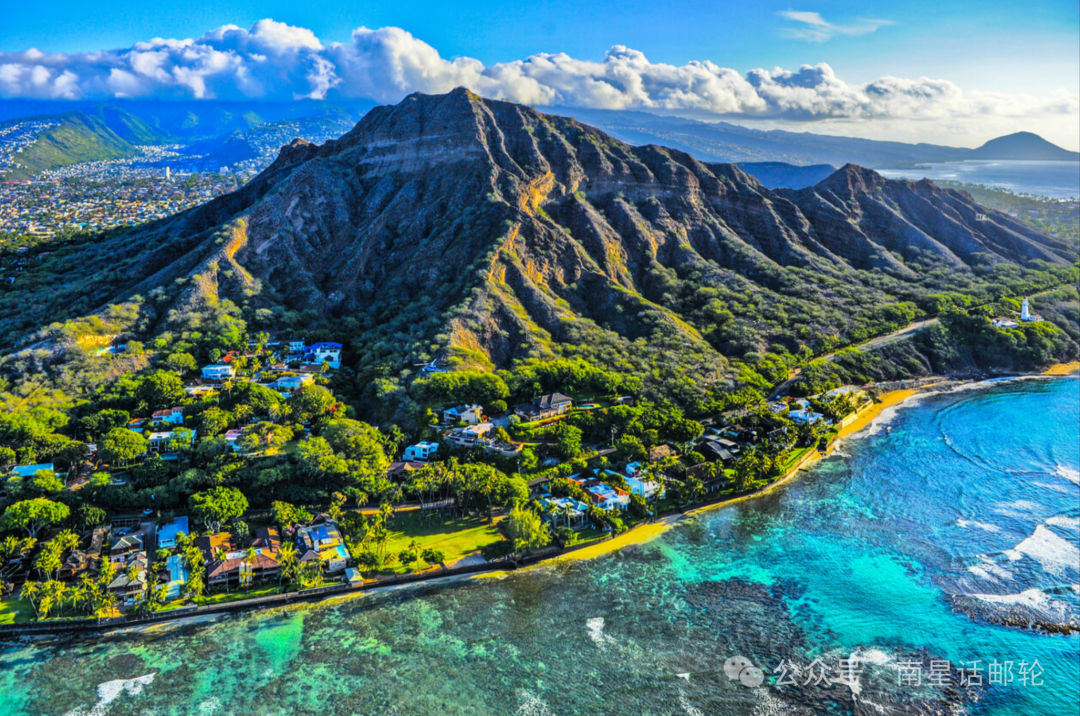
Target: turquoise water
(1058, 180)
(878, 552)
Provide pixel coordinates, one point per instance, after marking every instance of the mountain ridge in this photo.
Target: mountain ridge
(489, 233)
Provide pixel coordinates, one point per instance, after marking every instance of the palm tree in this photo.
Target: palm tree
(194, 586)
(247, 565)
(287, 557)
(78, 596)
(221, 555)
(31, 590)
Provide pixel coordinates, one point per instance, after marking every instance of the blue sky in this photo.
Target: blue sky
(990, 46)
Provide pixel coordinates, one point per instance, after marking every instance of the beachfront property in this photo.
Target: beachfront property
(321, 540)
(167, 534)
(218, 371)
(177, 575)
(719, 449)
(565, 510)
(420, 452)
(604, 496)
(646, 487)
(546, 406)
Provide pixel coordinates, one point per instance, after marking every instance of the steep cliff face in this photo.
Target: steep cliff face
(453, 223)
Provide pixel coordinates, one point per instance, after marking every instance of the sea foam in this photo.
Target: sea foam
(1054, 554)
(111, 690)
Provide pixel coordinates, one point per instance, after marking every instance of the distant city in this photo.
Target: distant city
(160, 181)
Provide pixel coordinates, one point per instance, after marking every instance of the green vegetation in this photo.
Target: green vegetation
(76, 138)
(452, 537)
(15, 611)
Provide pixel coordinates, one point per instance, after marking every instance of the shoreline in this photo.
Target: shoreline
(641, 534)
(1059, 369)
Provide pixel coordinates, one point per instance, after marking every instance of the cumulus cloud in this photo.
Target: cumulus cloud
(272, 60)
(811, 26)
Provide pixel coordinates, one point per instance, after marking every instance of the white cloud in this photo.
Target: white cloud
(272, 60)
(811, 26)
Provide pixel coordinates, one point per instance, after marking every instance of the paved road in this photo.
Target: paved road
(907, 330)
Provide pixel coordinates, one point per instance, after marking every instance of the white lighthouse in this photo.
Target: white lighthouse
(1026, 314)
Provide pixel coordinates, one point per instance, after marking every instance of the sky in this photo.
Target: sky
(957, 72)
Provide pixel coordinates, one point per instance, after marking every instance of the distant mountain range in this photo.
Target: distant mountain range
(94, 131)
(221, 131)
(724, 142)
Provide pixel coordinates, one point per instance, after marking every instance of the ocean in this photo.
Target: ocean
(899, 576)
(1057, 180)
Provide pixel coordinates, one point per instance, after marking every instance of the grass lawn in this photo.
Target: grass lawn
(15, 611)
(585, 536)
(454, 537)
(224, 597)
(796, 455)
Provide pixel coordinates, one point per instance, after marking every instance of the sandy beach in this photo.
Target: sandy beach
(1063, 368)
(647, 532)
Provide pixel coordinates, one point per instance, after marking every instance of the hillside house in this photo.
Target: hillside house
(169, 416)
(420, 452)
(319, 353)
(169, 441)
(218, 371)
(468, 436)
(470, 414)
(546, 406)
(289, 384)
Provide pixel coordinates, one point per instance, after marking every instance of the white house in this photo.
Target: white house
(319, 353)
(296, 346)
(286, 385)
(608, 498)
(646, 487)
(1004, 323)
(159, 442)
(218, 371)
(471, 414)
(420, 451)
(805, 415)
